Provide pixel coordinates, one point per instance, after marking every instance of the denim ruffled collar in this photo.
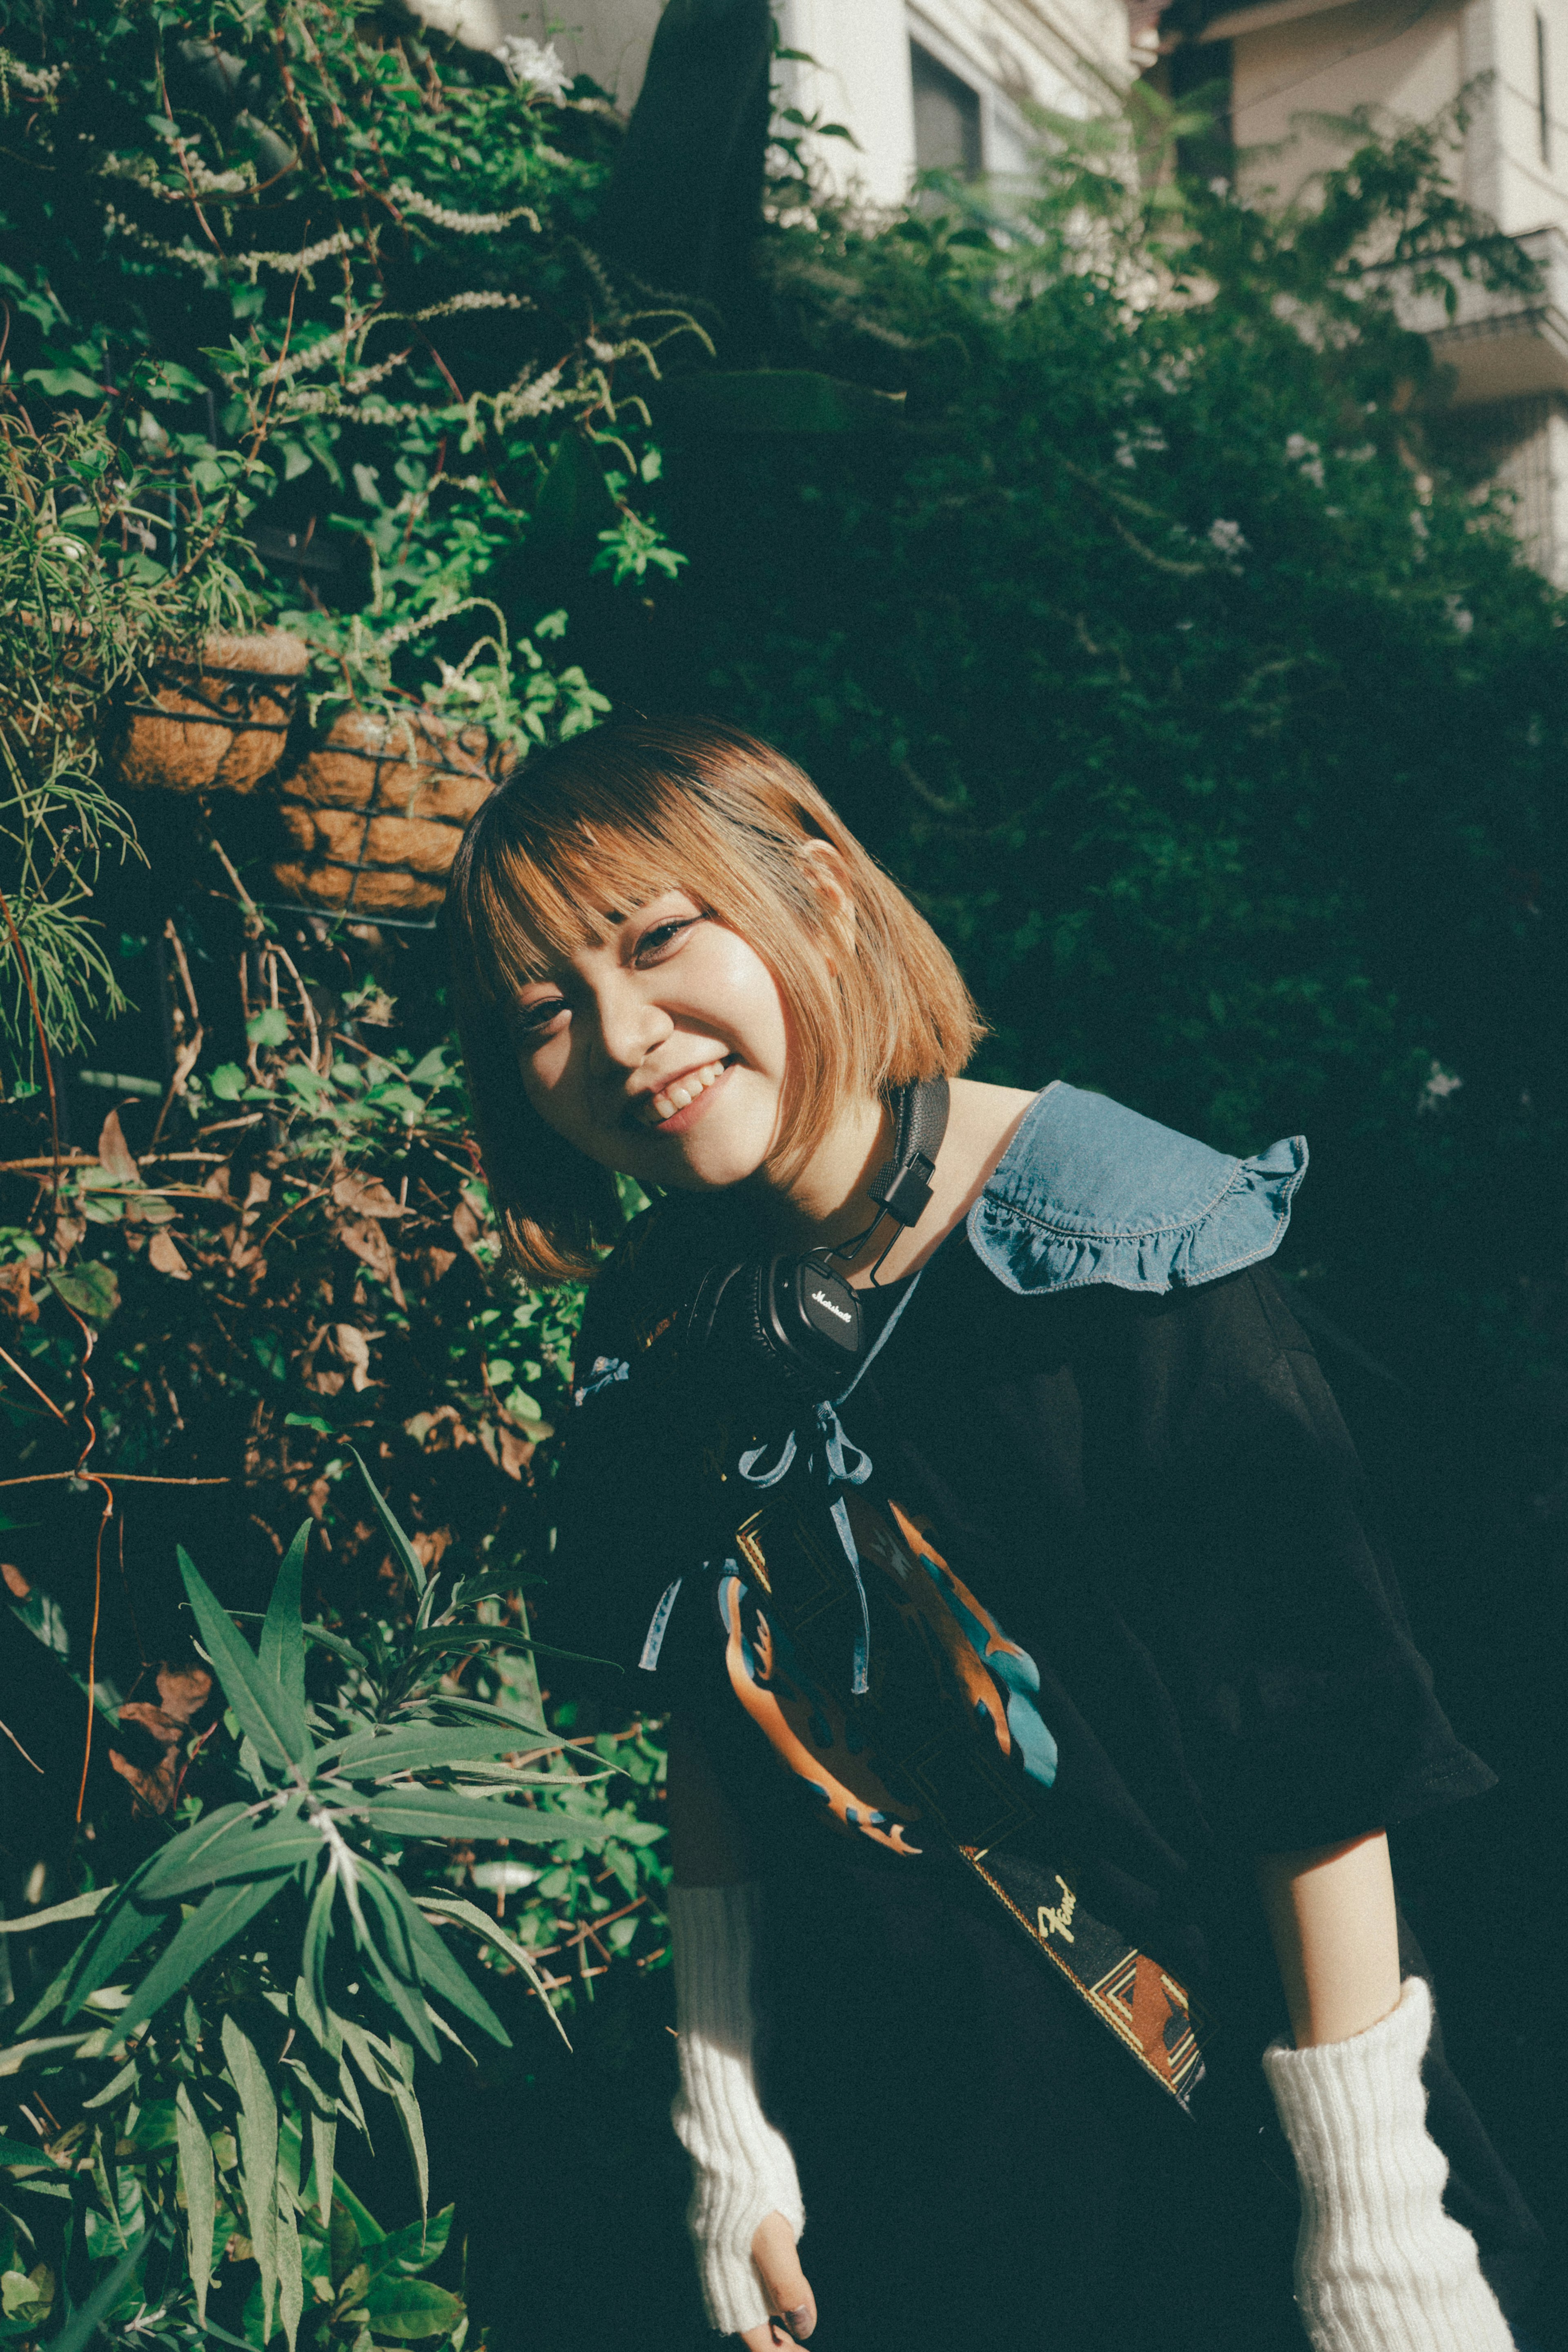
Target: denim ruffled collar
(1091, 1191)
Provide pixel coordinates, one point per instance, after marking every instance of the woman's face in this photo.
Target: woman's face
(659, 1049)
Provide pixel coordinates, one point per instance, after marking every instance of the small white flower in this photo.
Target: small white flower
(1227, 537)
(1440, 1084)
(1304, 454)
(531, 66)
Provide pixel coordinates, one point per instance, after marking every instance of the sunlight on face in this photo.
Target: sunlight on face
(659, 1049)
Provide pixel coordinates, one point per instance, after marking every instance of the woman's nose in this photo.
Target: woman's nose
(629, 1027)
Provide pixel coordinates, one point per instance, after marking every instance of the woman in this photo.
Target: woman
(951, 1457)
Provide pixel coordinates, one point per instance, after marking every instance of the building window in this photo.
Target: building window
(1542, 93)
(946, 117)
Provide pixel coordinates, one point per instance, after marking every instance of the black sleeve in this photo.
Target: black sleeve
(1306, 1713)
(628, 1509)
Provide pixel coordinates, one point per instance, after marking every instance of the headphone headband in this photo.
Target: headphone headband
(901, 1188)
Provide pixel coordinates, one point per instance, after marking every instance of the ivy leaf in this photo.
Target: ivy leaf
(405, 2307)
(93, 1290)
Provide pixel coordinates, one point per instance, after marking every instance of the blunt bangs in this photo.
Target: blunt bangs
(601, 823)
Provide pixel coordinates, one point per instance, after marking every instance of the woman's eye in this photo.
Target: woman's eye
(662, 936)
(533, 1020)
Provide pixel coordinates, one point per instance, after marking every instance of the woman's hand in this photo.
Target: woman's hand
(784, 2284)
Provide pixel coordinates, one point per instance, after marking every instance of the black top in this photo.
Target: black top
(1156, 1497)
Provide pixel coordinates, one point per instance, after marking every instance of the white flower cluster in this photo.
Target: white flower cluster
(1227, 537)
(33, 81)
(1306, 456)
(535, 399)
(465, 224)
(143, 172)
(532, 68)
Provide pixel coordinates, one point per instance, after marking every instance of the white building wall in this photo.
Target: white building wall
(1070, 56)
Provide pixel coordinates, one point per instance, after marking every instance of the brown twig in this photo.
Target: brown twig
(107, 1478)
(33, 1384)
(283, 957)
(321, 1194)
(19, 1748)
(91, 1158)
(187, 1050)
(283, 355)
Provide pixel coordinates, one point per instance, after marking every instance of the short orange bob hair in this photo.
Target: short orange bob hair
(606, 820)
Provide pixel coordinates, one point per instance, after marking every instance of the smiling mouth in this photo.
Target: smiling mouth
(656, 1112)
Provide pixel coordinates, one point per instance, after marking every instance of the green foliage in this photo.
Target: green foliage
(1166, 649)
(83, 609)
(299, 1961)
(306, 286)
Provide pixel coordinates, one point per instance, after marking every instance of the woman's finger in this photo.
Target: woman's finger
(783, 2280)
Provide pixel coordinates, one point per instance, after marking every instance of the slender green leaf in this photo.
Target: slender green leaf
(457, 1908)
(273, 1722)
(290, 2274)
(413, 2122)
(257, 2155)
(395, 1973)
(402, 1548)
(19, 2056)
(338, 1648)
(116, 2084)
(323, 2159)
(438, 1638)
(80, 1906)
(310, 1990)
(248, 1849)
(442, 1813)
(198, 2179)
(439, 1971)
(281, 1653)
(405, 2307)
(342, 2244)
(424, 1747)
(436, 1707)
(124, 1926)
(217, 1921)
(86, 2319)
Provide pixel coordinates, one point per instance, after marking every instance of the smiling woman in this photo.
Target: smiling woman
(672, 905)
(1016, 1638)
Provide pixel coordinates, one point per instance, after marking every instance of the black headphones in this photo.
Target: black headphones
(789, 1323)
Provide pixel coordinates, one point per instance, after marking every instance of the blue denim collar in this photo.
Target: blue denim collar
(1091, 1191)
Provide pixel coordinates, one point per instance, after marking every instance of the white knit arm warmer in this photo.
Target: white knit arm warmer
(742, 2169)
(1380, 2267)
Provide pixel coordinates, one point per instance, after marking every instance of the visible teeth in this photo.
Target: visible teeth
(679, 1097)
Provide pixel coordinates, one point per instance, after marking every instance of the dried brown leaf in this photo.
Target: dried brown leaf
(366, 1196)
(114, 1153)
(162, 1253)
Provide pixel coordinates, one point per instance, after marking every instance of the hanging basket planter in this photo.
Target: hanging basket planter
(215, 722)
(376, 812)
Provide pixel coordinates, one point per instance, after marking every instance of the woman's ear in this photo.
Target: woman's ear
(828, 877)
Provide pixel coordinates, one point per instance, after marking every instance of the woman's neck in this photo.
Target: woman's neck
(829, 1202)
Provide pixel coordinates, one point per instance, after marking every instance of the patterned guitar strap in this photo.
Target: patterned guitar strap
(936, 1729)
(892, 1765)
